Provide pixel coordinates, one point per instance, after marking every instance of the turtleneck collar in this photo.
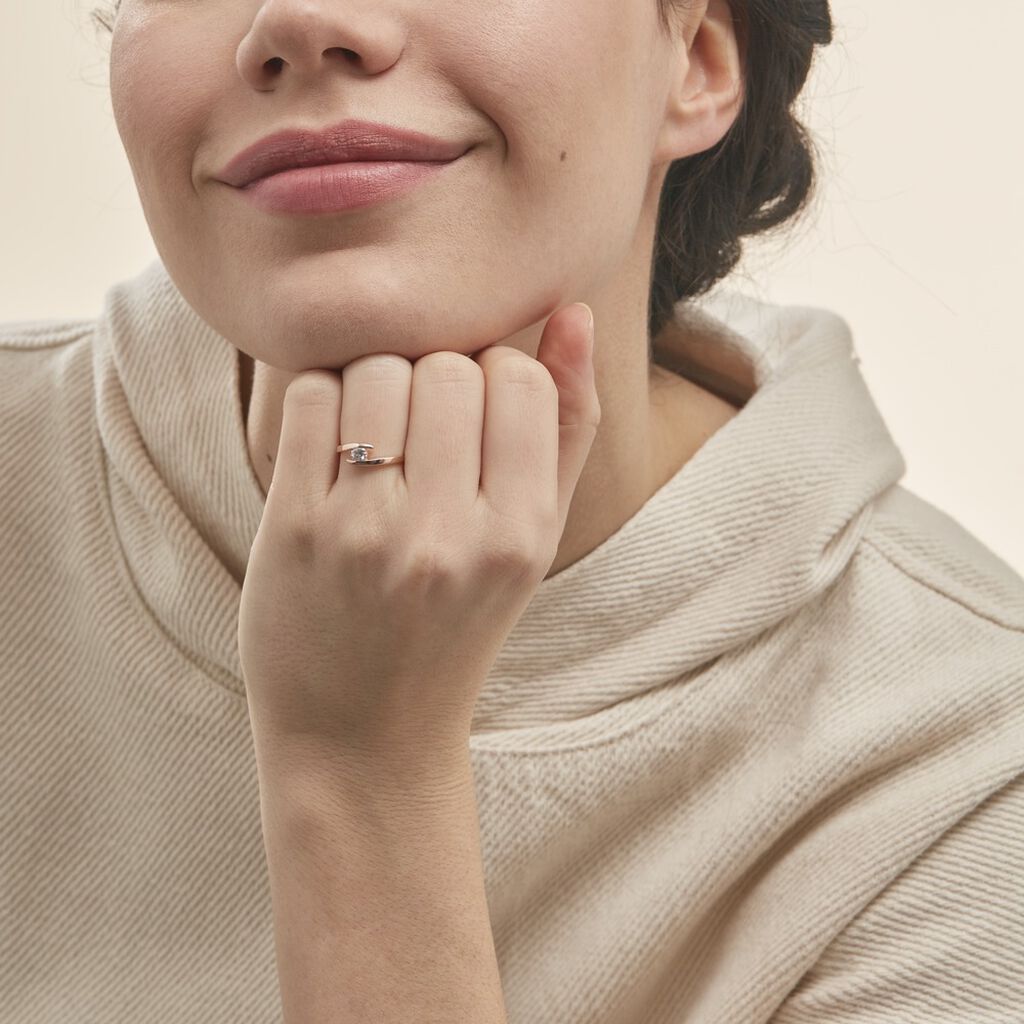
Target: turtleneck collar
(756, 524)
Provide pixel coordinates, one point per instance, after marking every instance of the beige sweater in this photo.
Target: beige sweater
(757, 757)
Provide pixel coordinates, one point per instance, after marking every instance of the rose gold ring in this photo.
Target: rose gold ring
(359, 450)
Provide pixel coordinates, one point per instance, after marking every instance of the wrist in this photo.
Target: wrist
(313, 776)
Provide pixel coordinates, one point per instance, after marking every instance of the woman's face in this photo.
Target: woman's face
(563, 102)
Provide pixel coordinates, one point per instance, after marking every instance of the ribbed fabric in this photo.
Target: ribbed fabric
(758, 757)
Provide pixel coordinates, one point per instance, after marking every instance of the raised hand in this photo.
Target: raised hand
(377, 598)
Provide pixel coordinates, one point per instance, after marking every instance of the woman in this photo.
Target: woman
(619, 691)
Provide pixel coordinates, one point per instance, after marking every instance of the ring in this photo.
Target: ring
(359, 451)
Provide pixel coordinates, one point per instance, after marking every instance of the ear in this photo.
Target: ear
(707, 92)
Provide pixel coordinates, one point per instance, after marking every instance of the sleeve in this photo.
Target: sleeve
(942, 944)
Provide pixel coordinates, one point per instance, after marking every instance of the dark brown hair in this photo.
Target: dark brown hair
(761, 174)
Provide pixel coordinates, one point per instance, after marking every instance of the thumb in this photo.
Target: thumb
(566, 351)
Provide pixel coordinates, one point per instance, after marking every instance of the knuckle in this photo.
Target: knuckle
(430, 566)
(516, 553)
(448, 368)
(301, 535)
(366, 543)
(521, 371)
(386, 366)
(313, 388)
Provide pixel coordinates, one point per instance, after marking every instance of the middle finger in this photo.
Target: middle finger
(446, 416)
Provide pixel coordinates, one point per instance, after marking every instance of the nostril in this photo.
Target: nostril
(349, 54)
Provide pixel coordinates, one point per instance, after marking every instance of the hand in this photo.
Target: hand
(376, 599)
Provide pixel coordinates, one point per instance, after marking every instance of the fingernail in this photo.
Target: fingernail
(590, 327)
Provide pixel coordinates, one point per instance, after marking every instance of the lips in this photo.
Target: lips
(350, 140)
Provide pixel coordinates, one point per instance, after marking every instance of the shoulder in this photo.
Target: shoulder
(45, 397)
(28, 336)
(932, 551)
(31, 353)
(931, 612)
(942, 942)
(936, 621)
(30, 349)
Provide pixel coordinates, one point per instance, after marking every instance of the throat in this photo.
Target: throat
(683, 417)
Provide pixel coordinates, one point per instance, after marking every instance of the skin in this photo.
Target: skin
(575, 109)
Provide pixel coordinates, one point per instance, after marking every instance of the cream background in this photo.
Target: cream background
(915, 237)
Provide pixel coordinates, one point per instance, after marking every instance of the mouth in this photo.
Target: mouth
(355, 142)
(340, 187)
(352, 168)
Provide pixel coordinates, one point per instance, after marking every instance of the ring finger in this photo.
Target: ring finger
(374, 411)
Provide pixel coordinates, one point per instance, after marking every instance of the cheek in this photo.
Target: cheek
(158, 102)
(517, 65)
(563, 83)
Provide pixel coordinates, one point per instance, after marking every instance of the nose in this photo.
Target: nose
(305, 39)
